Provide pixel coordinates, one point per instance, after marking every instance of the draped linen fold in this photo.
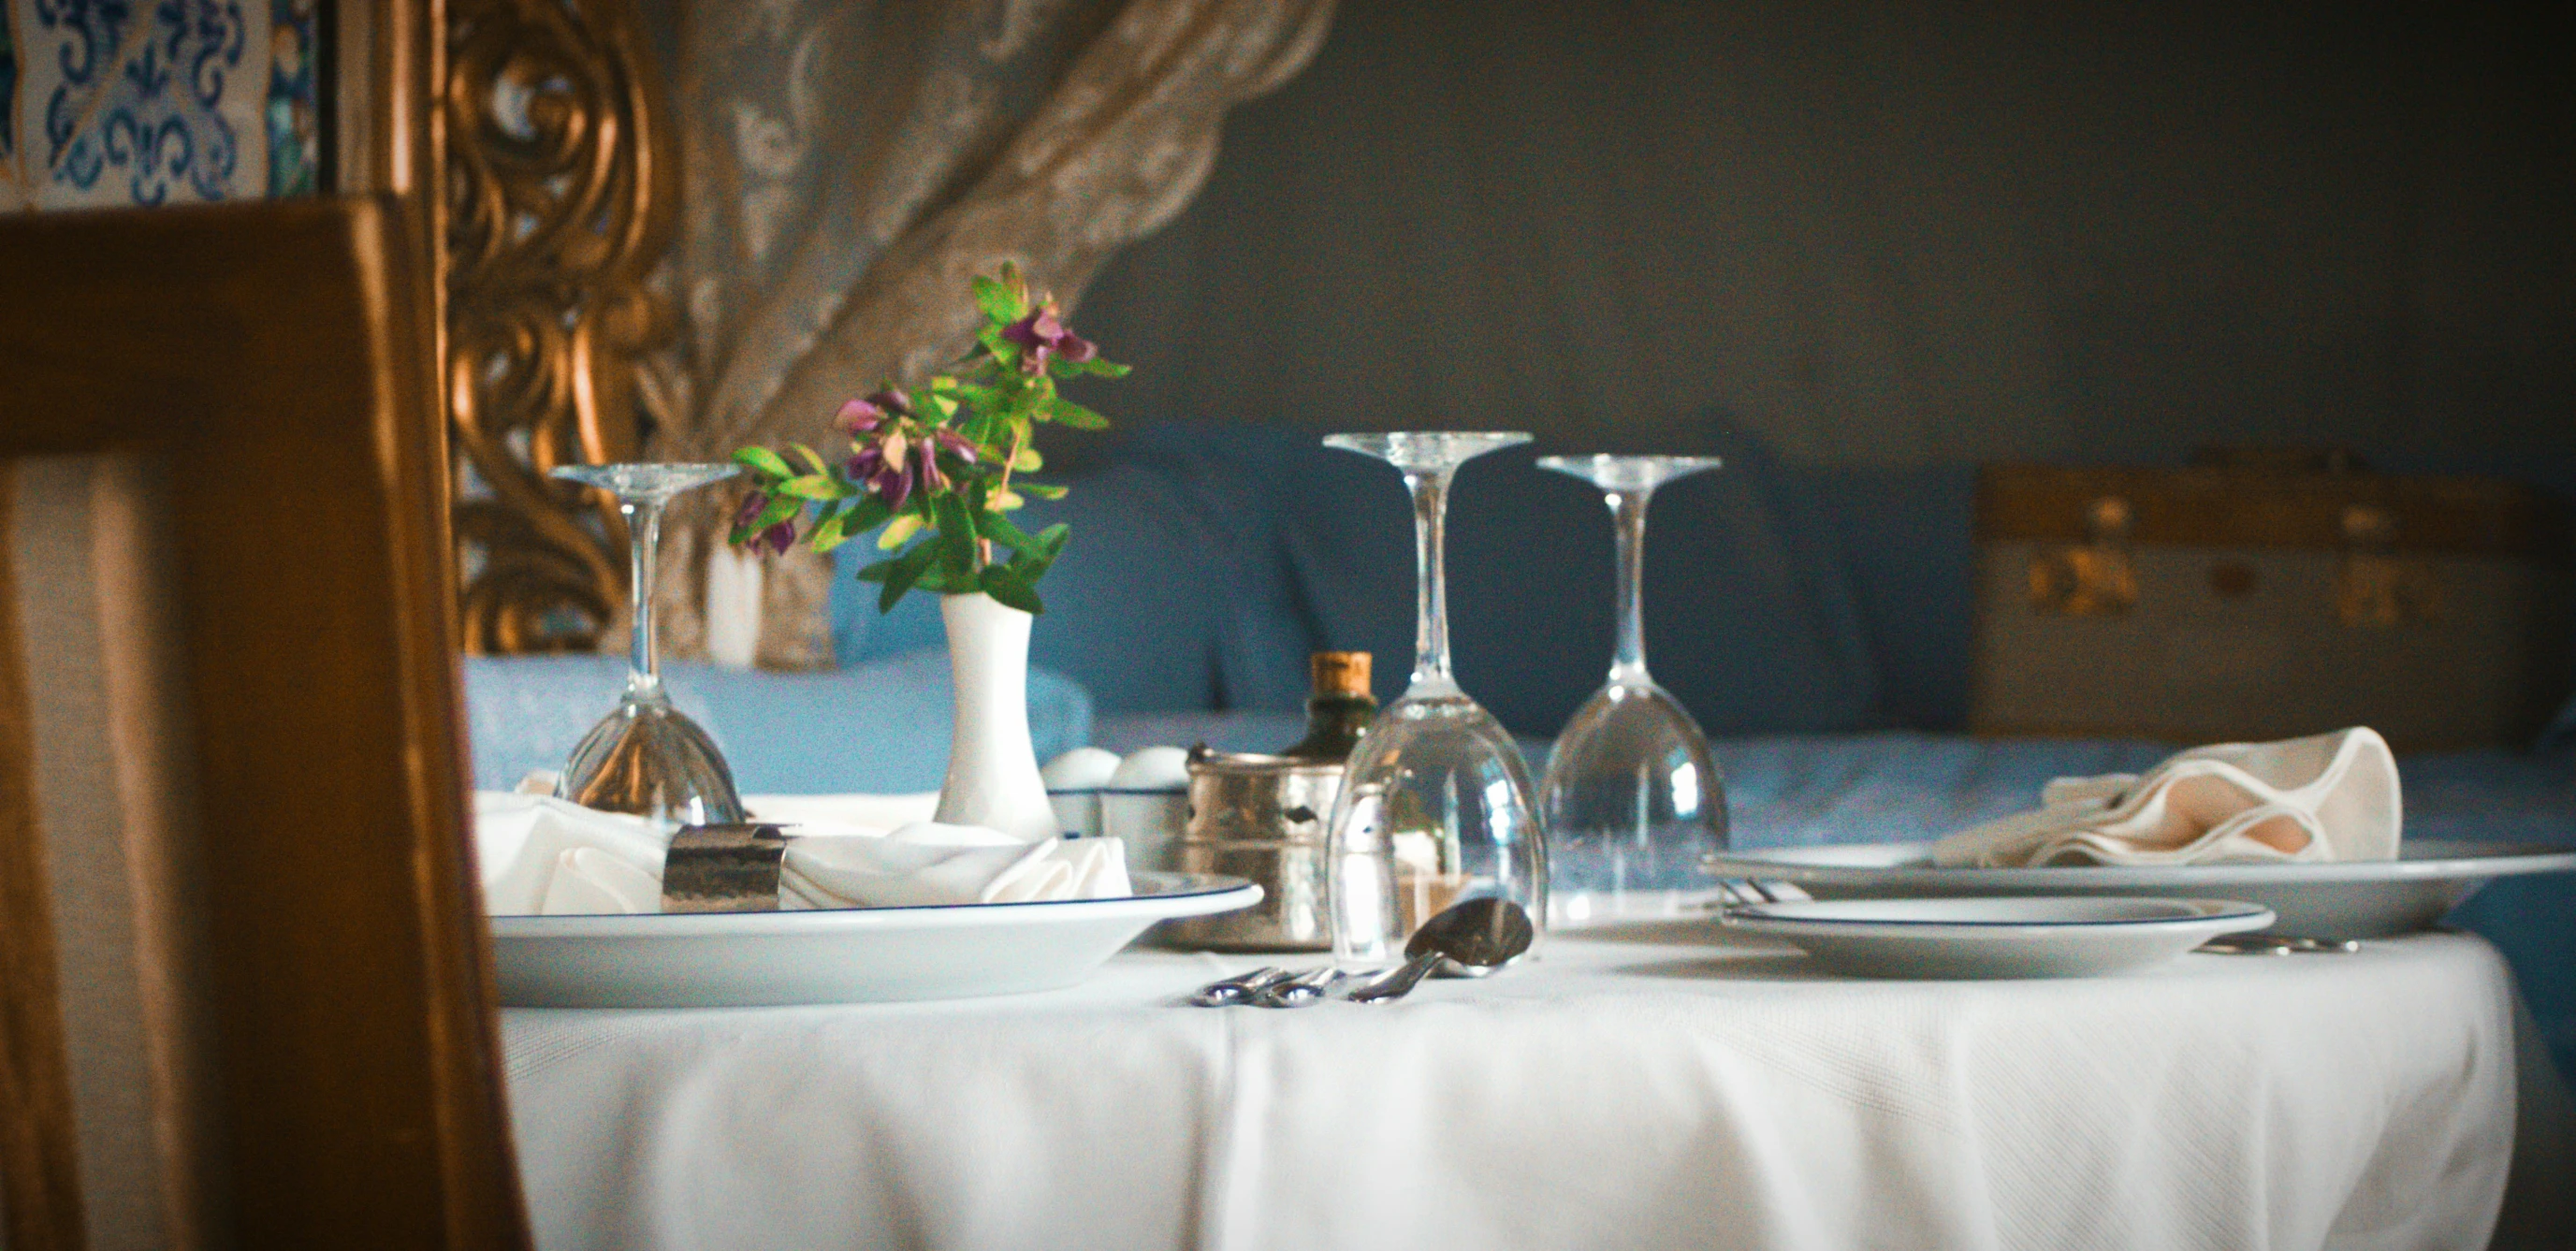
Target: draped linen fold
(848, 165)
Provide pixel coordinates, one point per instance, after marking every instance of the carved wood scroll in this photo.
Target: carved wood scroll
(559, 191)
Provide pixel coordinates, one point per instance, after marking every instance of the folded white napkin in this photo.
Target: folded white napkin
(930, 863)
(546, 856)
(2302, 800)
(542, 855)
(843, 814)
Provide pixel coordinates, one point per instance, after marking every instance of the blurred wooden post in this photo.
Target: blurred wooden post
(278, 360)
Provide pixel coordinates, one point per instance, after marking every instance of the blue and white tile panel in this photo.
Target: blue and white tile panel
(119, 103)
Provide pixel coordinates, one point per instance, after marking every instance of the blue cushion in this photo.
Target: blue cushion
(1162, 601)
(2562, 728)
(880, 726)
(1748, 617)
(1907, 538)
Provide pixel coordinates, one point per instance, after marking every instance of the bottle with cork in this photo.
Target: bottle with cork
(1340, 708)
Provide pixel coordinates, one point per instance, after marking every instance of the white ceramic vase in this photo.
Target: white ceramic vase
(992, 766)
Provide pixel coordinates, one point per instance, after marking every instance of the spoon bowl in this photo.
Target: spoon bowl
(1476, 936)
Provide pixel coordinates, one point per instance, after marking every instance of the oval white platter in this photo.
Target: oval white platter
(2028, 936)
(848, 955)
(2357, 899)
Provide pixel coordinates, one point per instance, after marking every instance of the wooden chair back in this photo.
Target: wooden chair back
(247, 994)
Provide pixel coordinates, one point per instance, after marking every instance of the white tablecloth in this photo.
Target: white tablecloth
(1654, 1091)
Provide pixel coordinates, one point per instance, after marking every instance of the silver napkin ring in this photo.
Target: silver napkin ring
(723, 868)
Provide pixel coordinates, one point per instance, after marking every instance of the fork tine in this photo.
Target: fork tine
(1781, 892)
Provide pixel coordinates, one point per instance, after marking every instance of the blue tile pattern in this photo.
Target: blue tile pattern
(294, 121)
(155, 122)
(107, 103)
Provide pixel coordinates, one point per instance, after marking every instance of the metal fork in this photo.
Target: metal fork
(1241, 988)
(2275, 945)
(1745, 890)
(1296, 992)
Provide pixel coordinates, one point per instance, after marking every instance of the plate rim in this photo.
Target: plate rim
(1199, 894)
(1767, 917)
(2497, 860)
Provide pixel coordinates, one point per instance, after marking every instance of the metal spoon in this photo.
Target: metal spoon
(1239, 988)
(1481, 934)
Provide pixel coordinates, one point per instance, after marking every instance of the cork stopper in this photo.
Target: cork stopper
(1340, 673)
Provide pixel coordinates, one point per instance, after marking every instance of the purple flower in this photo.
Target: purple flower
(883, 475)
(1042, 334)
(773, 541)
(955, 444)
(899, 456)
(865, 416)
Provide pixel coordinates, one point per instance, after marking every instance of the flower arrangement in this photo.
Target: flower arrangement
(936, 465)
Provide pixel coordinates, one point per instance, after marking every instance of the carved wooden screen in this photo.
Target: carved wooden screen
(560, 184)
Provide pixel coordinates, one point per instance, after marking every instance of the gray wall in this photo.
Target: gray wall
(1890, 233)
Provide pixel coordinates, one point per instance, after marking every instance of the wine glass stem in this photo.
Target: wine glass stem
(1431, 581)
(643, 546)
(1628, 660)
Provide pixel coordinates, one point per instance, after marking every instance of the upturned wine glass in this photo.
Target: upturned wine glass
(1436, 804)
(648, 757)
(1631, 798)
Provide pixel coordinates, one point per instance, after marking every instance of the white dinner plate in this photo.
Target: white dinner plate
(2358, 899)
(843, 955)
(2022, 936)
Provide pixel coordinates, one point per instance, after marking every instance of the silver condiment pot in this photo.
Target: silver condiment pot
(1263, 818)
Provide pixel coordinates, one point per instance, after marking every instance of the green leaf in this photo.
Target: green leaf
(998, 528)
(834, 528)
(762, 461)
(1033, 562)
(1005, 584)
(780, 509)
(1075, 415)
(907, 570)
(812, 486)
(1106, 368)
(1029, 567)
(956, 533)
(877, 571)
(811, 458)
(866, 514)
(1039, 490)
(998, 301)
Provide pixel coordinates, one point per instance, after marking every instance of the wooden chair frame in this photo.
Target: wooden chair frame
(281, 357)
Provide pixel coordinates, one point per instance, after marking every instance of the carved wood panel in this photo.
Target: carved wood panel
(559, 189)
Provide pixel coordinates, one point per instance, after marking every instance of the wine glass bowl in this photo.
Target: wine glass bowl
(1436, 804)
(1631, 797)
(647, 757)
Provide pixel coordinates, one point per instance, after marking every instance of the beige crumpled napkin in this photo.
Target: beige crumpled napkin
(2302, 800)
(546, 856)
